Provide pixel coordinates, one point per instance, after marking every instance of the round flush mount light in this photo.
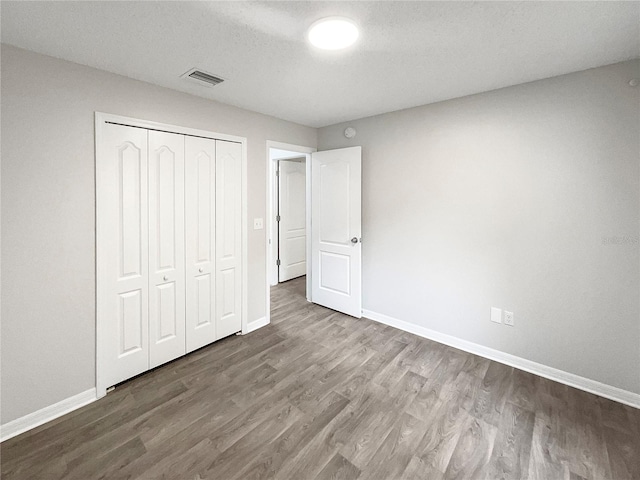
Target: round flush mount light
(350, 132)
(333, 33)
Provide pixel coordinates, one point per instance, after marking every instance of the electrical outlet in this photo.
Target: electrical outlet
(496, 315)
(257, 224)
(508, 318)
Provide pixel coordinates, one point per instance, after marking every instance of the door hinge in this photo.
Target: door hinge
(277, 218)
(278, 262)
(277, 173)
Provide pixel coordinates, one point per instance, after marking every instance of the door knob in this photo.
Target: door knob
(165, 278)
(201, 269)
(354, 240)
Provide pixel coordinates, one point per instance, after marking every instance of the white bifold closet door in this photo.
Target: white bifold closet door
(200, 201)
(166, 247)
(123, 260)
(169, 259)
(228, 238)
(213, 235)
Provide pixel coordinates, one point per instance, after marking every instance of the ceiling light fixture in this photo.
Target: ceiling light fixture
(333, 33)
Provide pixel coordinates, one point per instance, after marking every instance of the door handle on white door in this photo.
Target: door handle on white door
(354, 240)
(165, 278)
(201, 269)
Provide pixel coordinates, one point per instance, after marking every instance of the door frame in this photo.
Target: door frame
(271, 246)
(101, 119)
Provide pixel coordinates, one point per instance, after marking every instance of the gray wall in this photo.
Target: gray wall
(524, 198)
(48, 219)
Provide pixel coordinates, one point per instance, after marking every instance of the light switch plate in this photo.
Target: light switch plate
(257, 224)
(496, 315)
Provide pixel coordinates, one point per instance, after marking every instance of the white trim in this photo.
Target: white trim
(582, 383)
(165, 127)
(256, 324)
(46, 414)
(271, 248)
(100, 120)
(308, 226)
(290, 147)
(245, 241)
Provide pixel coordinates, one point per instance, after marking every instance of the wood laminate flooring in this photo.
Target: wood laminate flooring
(320, 395)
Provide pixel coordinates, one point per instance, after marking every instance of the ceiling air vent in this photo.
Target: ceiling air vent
(203, 78)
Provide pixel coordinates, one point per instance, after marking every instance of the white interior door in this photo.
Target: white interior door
(336, 229)
(166, 247)
(200, 158)
(292, 232)
(228, 238)
(122, 260)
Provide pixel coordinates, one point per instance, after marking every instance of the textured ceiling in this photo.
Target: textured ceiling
(409, 53)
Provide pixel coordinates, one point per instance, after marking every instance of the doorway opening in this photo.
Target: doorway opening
(291, 228)
(288, 217)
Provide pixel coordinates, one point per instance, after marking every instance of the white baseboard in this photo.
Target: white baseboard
(46, 414)
(582, 383)
(256, 324)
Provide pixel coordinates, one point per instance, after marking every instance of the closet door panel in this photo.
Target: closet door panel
(228, 238)
(200, 155)
(122, 261)
(166, 247)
